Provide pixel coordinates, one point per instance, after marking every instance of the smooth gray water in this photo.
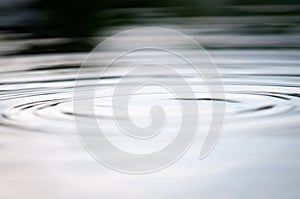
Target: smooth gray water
(257, 156)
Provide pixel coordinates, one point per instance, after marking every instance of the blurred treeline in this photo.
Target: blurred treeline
(79, 19)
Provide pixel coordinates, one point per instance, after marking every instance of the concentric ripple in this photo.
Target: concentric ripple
(38, 97)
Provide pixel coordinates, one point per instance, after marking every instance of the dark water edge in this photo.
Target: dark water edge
(243, 32)
(65, 26)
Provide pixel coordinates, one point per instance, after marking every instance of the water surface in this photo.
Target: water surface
(41, 155)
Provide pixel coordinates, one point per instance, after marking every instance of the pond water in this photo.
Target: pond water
(256, 157)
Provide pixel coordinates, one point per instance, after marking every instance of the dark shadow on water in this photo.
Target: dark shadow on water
(75, 23)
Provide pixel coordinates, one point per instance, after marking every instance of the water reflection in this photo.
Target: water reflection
(258, 58)
(257, 151)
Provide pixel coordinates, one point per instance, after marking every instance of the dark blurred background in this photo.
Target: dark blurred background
(69, 26)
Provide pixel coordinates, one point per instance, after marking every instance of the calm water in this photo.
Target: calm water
(257, 156)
